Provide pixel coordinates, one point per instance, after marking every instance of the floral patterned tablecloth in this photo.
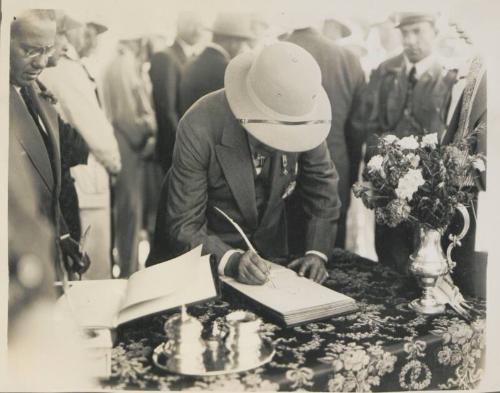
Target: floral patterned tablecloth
(382, 347)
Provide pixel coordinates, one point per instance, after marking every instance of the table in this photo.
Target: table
(383, 347)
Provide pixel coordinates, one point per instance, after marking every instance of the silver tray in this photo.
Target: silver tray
(224, 364)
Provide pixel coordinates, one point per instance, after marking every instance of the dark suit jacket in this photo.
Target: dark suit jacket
(203, 75)
(387, 97)
(25, 138)
(343, 80)
(165, 74)
(213, 167)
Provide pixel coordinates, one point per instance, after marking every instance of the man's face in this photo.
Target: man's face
(90, 41)
(60, 47)
(32, 43)
(418, 40)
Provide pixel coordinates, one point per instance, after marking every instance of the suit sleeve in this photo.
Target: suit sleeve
(317, 183)
(372, 112)
(74, 149)
(187, 196)
(355, 125)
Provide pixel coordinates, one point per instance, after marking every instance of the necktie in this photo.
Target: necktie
(412, 81)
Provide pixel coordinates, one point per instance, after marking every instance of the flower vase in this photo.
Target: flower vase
(428, 263)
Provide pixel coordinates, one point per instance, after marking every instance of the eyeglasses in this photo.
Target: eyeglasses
(32, 51)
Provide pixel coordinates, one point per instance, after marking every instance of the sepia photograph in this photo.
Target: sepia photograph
(230, 195)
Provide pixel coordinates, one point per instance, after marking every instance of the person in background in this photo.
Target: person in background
(74, 149)
(129, 109)
(344, 82)
(34, 128)
(335, 29)
(244, 149)
(468, 119)
(80, 106)
(91, 38)
(165, 72)
(408, 95)
(233, 33)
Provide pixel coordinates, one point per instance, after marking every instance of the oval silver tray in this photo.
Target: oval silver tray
(225, 363)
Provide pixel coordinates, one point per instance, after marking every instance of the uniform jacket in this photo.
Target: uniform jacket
(165, 74)
(213, 167)
(343, 80)
(387, 98)
(203, 75)
(25, 140)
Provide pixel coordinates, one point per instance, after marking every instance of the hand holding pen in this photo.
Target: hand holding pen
(250, 268)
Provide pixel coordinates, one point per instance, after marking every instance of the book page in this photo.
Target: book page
(194, 283)
(161, 279)
(93, 303)
(287, 292)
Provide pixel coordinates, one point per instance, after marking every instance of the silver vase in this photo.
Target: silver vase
(428, 263)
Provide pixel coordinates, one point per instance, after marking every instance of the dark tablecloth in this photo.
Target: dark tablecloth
(383, 347)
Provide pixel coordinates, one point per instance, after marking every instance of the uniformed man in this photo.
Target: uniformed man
(409, 95)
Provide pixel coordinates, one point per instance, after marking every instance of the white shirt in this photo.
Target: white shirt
(189, 50)
(70, 84)
(420, 67)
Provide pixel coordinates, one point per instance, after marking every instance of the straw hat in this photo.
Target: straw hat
(276, 95)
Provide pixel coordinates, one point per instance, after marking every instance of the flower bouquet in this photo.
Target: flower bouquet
(417, 180)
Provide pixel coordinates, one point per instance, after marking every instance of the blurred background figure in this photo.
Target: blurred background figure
(80, 105)
(165, 72)
(409, 95)
(91, 36)
(128, 104)
(335, 28)
(344, 82)
(232, 33)
(261, 26)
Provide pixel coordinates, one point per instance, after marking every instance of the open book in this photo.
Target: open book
(99, 304)
(290, 299)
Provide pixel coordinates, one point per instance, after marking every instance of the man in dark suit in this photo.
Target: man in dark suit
(34, 124)
(244, 149)
(232, 34)
(165, 73)
(344, 82)
(408, 95)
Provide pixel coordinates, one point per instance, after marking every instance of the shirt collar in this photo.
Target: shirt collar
(189, 50)
(421, 67)
(220, 49)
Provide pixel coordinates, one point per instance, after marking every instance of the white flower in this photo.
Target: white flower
(375, 163)
(408, 142)
(409, 184)
(414, 159)
(478, 163)
(430, 140)
(390, 138)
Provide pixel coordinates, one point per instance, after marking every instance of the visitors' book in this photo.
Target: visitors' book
(290, 299)
(97, 304)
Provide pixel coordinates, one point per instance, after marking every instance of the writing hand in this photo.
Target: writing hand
(251, 269)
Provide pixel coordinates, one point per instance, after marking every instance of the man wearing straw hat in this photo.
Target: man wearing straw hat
(243, 150)
(233, 33)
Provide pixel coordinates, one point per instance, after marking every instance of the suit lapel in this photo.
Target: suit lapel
(179, 52)
(50, 122)
(28, 135)
(235, 160)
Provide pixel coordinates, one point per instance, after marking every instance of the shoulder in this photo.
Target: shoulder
(205, 119)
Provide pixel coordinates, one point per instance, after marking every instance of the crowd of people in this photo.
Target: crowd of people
(270, 121)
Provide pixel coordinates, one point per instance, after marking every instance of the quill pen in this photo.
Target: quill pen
(245, 238)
